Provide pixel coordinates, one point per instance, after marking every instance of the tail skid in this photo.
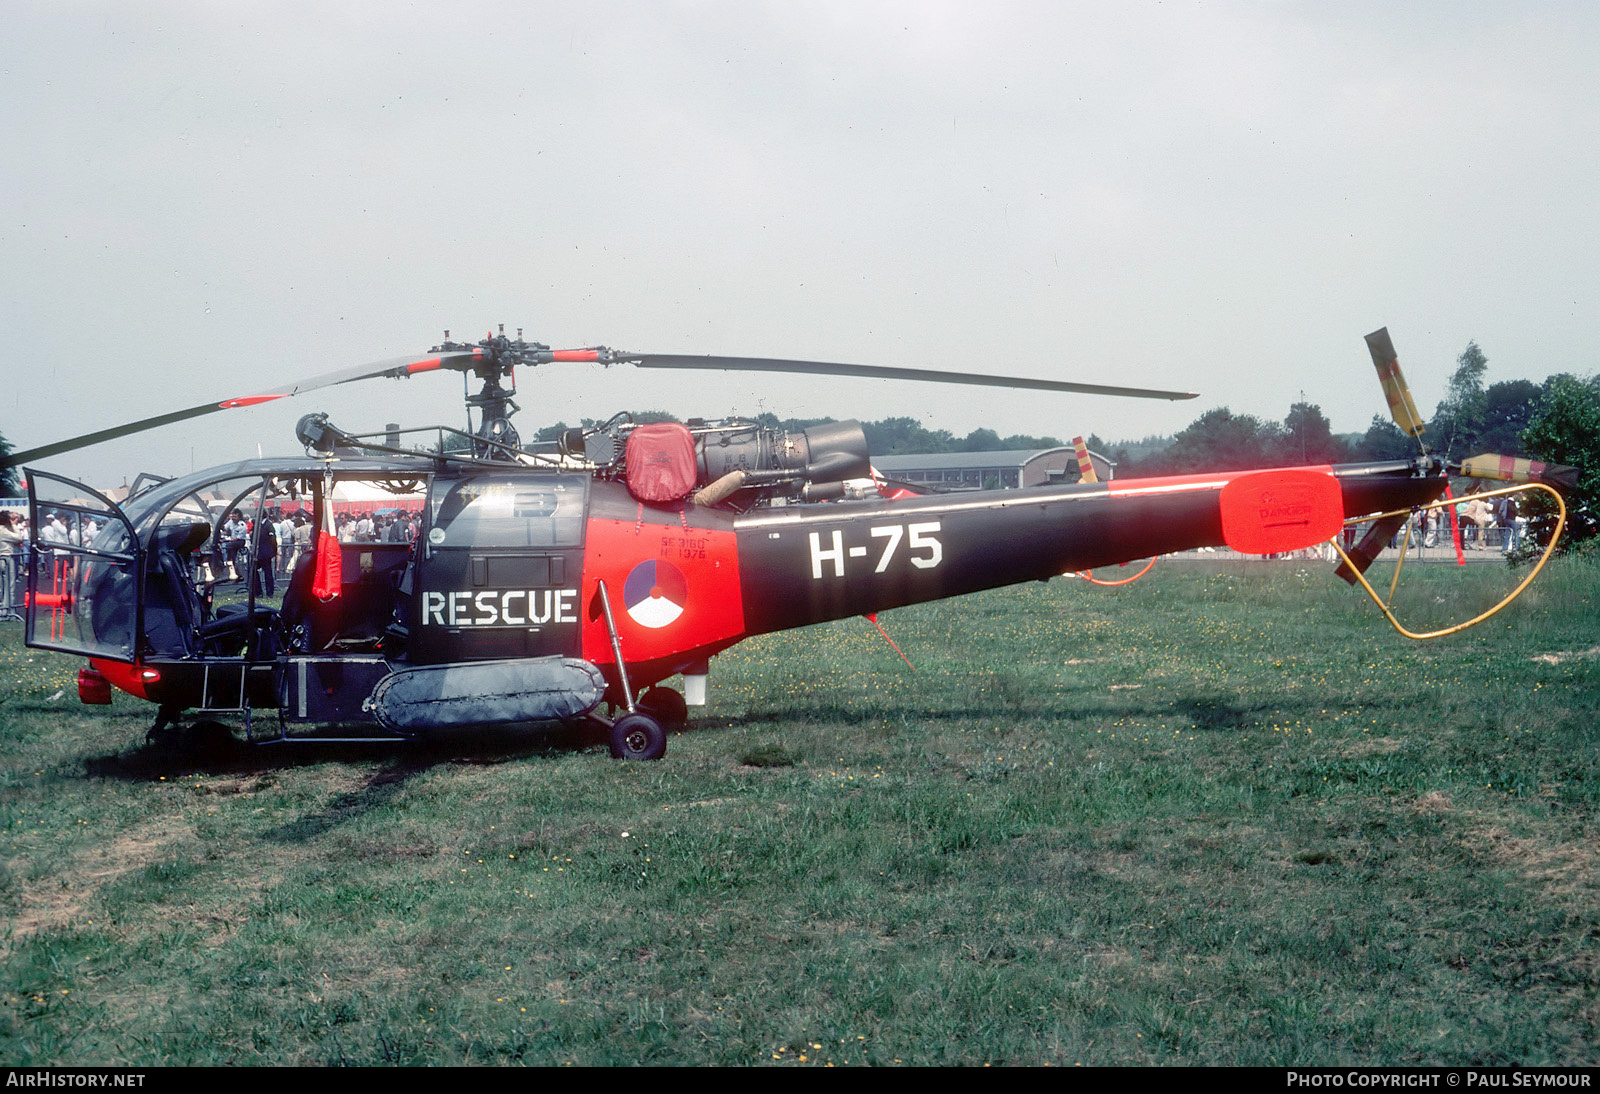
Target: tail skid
(1355, 563)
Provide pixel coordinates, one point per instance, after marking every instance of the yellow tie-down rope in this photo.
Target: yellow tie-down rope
(1384, 606)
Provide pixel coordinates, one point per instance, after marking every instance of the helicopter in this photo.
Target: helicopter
(542, 586)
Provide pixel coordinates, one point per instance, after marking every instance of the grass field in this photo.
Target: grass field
(1223, 815)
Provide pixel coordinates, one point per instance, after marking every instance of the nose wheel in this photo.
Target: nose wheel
(638, 736)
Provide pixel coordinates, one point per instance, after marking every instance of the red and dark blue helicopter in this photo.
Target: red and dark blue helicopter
(543, 586)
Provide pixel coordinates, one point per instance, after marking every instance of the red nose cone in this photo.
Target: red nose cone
(93, 688)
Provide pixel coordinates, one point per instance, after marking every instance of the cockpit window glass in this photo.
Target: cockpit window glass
(508, 510)
(70, 518)
(84, 580)
(377, 510)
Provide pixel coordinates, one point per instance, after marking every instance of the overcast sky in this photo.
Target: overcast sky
(202, 200)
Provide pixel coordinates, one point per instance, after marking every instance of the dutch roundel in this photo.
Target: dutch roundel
(655, 594)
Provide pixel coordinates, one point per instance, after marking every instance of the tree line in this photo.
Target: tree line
(888, 437)
(1554, 421)
(1557, 421)
(1472, 418)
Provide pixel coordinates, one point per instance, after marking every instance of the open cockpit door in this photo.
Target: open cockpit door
(85, 587)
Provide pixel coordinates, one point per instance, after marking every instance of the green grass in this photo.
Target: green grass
(1222, 815)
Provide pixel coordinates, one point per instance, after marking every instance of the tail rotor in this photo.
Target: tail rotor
(1527, 477)
(1403, 409)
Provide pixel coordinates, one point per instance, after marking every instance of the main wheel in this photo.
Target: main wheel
(638, 736)
(665, 706)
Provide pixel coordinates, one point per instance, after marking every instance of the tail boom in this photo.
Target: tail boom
(808, 564)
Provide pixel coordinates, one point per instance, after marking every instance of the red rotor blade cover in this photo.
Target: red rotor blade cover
(1267, 512)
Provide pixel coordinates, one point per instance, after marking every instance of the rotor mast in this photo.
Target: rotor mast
(492, 361)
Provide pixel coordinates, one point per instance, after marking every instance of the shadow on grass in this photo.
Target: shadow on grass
(1203, 713)
(211, 748)
(381, 785)
(896, 714)
(1212, 714)
(1206, 713)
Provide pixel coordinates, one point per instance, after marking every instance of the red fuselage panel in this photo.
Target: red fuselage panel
(673, 589)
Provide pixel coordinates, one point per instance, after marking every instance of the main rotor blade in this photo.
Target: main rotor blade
(879, 372)
(1085, 465)
(394, 366)
(399, 367)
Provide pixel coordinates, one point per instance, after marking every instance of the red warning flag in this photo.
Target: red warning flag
(329, 576)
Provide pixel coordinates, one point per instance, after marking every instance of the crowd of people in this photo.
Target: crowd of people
(380, 526)
(16, 550)
(268, 550)
(265, 551)
(13, 545)
(1481, 517)
(1484, 524)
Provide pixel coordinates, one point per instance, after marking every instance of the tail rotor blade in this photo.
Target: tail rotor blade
(1395, 388)
(1513, 469)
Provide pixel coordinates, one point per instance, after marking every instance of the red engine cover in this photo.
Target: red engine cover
(661, 463)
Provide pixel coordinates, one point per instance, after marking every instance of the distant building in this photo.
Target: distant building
(990, 470)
